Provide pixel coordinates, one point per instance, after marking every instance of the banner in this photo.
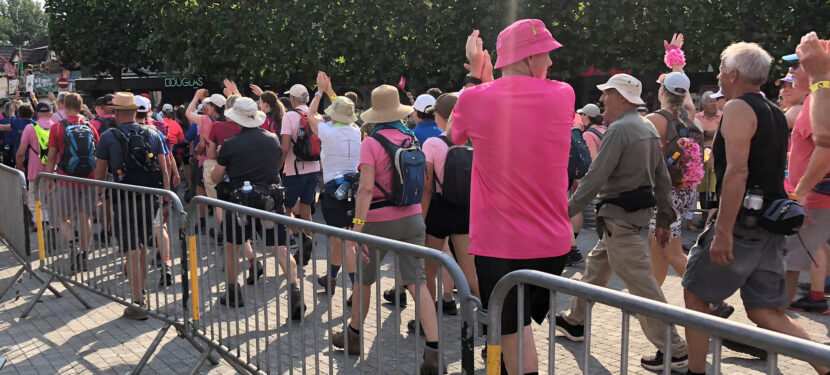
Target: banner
(9, 69)
(30, 83)
(13, 85)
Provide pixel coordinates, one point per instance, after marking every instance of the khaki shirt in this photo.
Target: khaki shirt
(630, 157)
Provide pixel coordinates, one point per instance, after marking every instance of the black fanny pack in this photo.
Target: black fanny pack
(353, 179)
(783, 216)
(633, 200)
(266, 197)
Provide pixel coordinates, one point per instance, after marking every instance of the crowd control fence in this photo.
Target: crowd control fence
(14, 226)
(106, 238)
(719, 329)
(259, 325)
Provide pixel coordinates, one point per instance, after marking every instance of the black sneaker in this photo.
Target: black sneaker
(410, 328)
(166, 280)
(232, 297)
(746, 349)
(389, 296)
(806, 287)
(349, 301)
(328, 283)
(259, 270)
(297, 305)
(721, 310)
(807, 304)
(655, 363)
(308, 246)
(447, 307)
(574, 258)
(573, 332)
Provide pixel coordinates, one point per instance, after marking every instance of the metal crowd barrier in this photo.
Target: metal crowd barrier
(85, 215)
(260, 336)
(14, 225)
(719, 329)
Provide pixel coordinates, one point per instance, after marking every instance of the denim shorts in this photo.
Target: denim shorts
(302, 186)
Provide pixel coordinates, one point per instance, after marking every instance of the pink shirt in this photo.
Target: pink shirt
(801, 148)
(29, 140)
(435, 150)
(290, 126)
(372, 153)
(592, 140)
(203, 130)
(520, 128)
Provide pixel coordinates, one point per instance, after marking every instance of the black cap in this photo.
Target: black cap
(105, 100)
(43, 107)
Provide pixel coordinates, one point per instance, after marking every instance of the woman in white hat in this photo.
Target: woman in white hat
(340, 154)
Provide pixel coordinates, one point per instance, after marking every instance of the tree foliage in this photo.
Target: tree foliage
(21, 22)
(279, 42)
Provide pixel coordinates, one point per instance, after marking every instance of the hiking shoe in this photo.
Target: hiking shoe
(807, 287)
(746, 349)
(655, 363)
(232, 297)
(338, 339)
(349, 301)
(447, 307)
(259, 270)
(135, 314)
(79, 262)
(721, 310)
(328, 283)
(573, 332)
(297, 305)
(807, 304)
(410, 328)
(574, 258)
(308, 246)
(389, 296)
(166, 280)
(430, 364)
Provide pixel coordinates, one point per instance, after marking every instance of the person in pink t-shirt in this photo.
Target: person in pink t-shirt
(520, 126)
(376, 215)
(30, 142)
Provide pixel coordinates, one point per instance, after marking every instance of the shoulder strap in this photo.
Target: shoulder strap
(666, 114)
(446, 140)
(595, 132)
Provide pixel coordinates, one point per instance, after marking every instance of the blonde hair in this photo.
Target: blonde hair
(73, 101)
(750, 61)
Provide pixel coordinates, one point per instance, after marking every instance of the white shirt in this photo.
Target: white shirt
(340, 151)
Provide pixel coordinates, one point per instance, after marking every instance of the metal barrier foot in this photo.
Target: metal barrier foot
(74, 293)
(150, 350)
(212, 358)
(29, 308)
(205, 354)
(17, 275)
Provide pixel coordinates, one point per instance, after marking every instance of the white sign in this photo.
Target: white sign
(30, 83)
(13, 85)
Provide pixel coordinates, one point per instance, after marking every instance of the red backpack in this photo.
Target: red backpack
(307, 144)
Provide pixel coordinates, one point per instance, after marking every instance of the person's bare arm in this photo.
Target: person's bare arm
(363, 198)
(190, 112)
(739, 125)
(428, 183)
(218, 173)
(212, 150)
(51, 159)
(21, 155)
(285, 144)
(792, 114)
(164, 172)
(101, 169)
(814, 56)
(817, 168)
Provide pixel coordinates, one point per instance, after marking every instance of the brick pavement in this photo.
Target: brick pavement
(61, 337)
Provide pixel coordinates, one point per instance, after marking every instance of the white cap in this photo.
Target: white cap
(297, 91)
(215, 99)
(676, 83)
(167, 107)
(717, 95)
(629, 87)
(422, 102)
(143, 104)
(199, 108)
(590, 110)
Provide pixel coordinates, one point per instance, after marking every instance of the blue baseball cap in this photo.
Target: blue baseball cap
(792, 57)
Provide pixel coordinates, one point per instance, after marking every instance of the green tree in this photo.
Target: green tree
(21, 22)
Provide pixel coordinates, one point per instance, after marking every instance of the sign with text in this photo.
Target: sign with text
(183, 82)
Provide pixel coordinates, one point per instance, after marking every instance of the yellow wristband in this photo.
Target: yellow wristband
(819, 85)
(358, 221)
(332, 97)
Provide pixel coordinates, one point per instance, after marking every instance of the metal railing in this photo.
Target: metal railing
(14, 225)
(719, 329)
(260, 336)
(114, 240)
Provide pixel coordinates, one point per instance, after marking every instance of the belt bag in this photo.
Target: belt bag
(783, 216)
(823, 187)
(634, 200)
(266, 197)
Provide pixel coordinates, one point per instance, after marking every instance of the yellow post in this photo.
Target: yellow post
(493, 359)
(194, 279)
(40, 242)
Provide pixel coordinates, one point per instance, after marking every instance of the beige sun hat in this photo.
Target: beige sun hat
(386, 106)
(629, 87)
(246, 113)
(342, 110)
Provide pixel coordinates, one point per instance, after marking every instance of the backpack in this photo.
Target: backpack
(580, 158)
(307, 145)
(78, 157)
(408, 167)
(595, 132)
(676, 129)
(139, 166)
(42, 141)
(106, 123)
(458, 174)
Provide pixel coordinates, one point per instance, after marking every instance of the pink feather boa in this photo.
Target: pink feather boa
(692, 163)
(674, 57)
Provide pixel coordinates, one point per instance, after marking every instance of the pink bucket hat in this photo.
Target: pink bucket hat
(522, 39)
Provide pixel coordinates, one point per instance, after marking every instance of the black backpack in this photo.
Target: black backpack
(78, 157)
(139, 165)
(580, 158)
(106, 123)
(458, 172)
(408, 167)
(675, 130)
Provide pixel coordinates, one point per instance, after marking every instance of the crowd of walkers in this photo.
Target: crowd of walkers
(496, 175)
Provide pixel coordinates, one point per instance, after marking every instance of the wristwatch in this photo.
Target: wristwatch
(470, 79)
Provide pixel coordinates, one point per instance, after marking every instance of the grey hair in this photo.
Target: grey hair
(750, 61)
(61, 96)
(301, 99)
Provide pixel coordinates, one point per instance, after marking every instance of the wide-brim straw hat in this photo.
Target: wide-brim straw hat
(246, 113)
(342, 110)
(386, 106)
(124, 101)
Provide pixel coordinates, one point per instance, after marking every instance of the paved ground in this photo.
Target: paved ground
(60, 336)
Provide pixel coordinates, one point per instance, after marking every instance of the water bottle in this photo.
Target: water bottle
(247, 189)
(339, 178)
(673, 158)
(752, 204)
(340, 194)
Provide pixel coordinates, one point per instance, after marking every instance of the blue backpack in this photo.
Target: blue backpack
(78, 157)
(580, 158)
(408, 167)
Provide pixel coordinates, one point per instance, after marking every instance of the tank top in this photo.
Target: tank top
(767, 153)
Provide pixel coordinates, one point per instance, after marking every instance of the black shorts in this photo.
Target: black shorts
(197, 174)
(444, 219)
(237, 235)
(536, 300)
(336, 212)
(133, 218)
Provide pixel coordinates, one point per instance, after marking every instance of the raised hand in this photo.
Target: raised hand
(676, 42)
(230, 87)
(814, 56)
(475, 54)
(256, 89)
(322, 82)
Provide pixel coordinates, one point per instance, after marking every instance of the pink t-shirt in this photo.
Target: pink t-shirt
(371, 152)
(520, 128)
(801, 148)
(290, 126)
(203, 130)
(29, 140)
(435, 150)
